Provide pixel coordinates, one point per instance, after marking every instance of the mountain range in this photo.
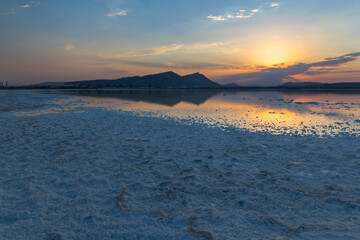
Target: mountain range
(160, 80)
(171, 79)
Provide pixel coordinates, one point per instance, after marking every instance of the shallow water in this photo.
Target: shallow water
(277, 112)
(75, 163)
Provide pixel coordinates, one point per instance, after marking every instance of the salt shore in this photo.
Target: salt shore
(93, 173)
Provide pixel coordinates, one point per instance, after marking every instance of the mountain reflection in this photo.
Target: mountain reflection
(168, 98)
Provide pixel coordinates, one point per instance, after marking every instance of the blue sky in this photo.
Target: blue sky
(63, 40)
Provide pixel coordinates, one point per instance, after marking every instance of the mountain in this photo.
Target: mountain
(198, 80)
(51, 84)
(340, 85)
(160, 80)
(300, 84)
(303, 85)
(230, 85)
(315, 85)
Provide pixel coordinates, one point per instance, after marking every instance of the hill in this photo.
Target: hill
(160, 80)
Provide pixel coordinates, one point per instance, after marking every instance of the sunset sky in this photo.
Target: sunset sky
(227, 40)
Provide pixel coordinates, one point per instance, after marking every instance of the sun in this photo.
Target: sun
(272, 55)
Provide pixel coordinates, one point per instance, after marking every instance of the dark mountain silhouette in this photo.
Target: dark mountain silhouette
(172, 80)
(230, 85)
(160, 80)
(317, 85)
(341, 85)
(198, 80)
(300, 84)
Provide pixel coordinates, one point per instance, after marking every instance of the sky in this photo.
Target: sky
(230, 41)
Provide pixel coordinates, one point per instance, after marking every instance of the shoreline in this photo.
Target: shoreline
(285, 89)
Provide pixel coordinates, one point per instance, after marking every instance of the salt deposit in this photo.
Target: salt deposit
(80, 172)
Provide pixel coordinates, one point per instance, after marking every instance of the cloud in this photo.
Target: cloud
(118, 13)
(276, 75)
(130, 58)
(68, 47)
(337, 60)
(173, 65)
(10, 12)
(159, 50)
(239, 14)
(149, 51)
(29, 4)
(114, 71)
(274, 4)
(197, 47)
(217, 18)
(197, 65)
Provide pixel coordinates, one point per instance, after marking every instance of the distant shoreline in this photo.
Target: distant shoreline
(313, 89)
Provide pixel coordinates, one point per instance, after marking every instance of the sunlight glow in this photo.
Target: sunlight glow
(270, 55)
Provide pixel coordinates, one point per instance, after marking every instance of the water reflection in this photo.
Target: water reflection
(276, 112)
(162, 97)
